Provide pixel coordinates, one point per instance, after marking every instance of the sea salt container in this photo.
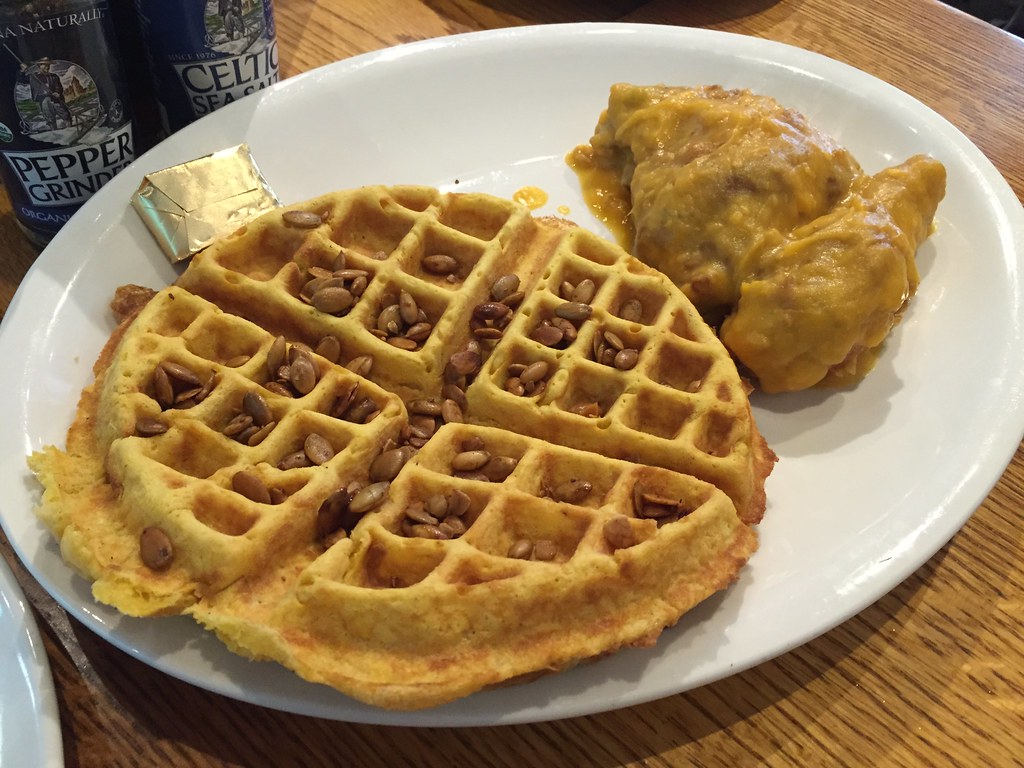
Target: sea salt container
(206, 54)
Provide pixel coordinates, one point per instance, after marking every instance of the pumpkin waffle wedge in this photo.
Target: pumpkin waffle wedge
(632, 371)
(217, 466)
(533, 583)
(357, 425)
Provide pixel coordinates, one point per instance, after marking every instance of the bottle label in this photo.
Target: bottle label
(72, 175)
(208, 53)
(64, 125)
(212, 84)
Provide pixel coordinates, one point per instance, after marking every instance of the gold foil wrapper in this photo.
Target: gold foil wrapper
(189, 206)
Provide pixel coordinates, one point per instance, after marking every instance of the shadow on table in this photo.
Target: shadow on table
(692, 12)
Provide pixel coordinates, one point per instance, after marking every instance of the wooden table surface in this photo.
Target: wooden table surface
(929, 675)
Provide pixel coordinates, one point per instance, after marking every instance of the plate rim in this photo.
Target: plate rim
(36, 668)
(953, 524)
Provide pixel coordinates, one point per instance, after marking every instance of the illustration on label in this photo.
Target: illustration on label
(233, 25)
(57, 101)
(247, 60)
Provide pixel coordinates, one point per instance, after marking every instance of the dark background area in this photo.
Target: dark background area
(1005, 14)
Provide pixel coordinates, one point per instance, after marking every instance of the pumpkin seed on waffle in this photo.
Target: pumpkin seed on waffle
(357, 425)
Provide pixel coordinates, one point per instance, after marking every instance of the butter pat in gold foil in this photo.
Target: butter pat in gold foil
(188, 206)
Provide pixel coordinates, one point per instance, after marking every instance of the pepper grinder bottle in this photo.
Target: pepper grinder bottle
(65, 117)
(205, 54)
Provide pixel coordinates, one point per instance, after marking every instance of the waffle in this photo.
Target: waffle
(355, 427)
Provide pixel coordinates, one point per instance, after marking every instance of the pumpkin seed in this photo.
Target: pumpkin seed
(358, 286)
(473, 443)
(521, 549)
(276, 356)
(361, 365)
(631, 310)
(389, 320)
(333, 300)
(626, 359)
(295, 460)
(162, 387)
(514, 299)
(361, 412)
(439, 264)
(614, 341)
(544, 550)
(317, 448)
(249, 485)
(278, 389)
(149, 427)
(466, 362)
(181, 373)
(388, 464)
(499, 468)
(155, 549)
(419, 332)
(619, 533)
(458, 502)
(329, 348)
(453, 526)
(567, 328)
(469, 461)
(369, 497)
(260, 434)
(437, 505)
(302, 219)
(504, 286)
(584, 291)
(534, 372)
(574, 311)
(572, 491)
(418, 514)
(344, 401)
(548, 335)
(590, 410)
(456, 395)
(238, 424)
(430, 406)
(331, 514)
(514, 386)
(407, 307)
(451, 412)
(302, 374)
(491, 310)
(401, 342)
(428, 532)
(256, 406)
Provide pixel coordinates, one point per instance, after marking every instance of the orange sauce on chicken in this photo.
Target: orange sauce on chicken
(605, 194)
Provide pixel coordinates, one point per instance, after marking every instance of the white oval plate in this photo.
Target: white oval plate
(29, 720)
(871, 482)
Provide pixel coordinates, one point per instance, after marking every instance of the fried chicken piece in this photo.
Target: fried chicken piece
(710, 173)
(771, 229)
(815, 307)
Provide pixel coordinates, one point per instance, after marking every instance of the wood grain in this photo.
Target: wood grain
(929, 675)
